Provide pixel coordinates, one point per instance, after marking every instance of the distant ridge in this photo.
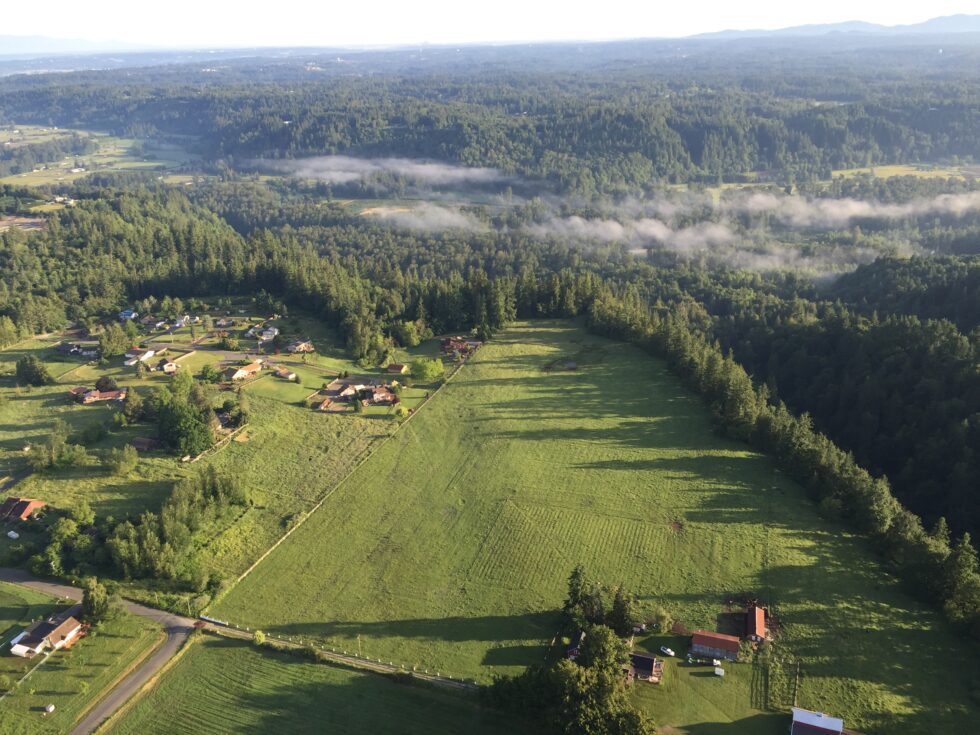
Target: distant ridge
(945, 24)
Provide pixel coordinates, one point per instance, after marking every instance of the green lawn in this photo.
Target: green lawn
(73, 680)
(226, 686)
(450, 548)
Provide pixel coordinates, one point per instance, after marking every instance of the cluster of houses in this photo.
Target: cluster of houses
(342, 392)
(151, 322)
(459, 348)
(87, 396)
(55, 632)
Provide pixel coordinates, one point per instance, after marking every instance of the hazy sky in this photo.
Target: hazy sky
(385, 22)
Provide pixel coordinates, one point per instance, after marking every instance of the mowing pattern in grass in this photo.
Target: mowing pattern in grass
(225, 686)
(450, 548)
(70, 680)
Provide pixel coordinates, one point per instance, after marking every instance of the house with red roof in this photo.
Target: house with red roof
(20, 509)
(755, 623)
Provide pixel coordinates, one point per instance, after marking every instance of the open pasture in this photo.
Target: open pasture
(449, 549)
(228, 686)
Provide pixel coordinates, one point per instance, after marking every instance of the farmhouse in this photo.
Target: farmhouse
(755, 623)
(88, 396)
(381, 396)
(51, 633)
(77, 350)
(241, 373)
(574, 649)
(167, 366)
(20, 509)
(285, 374)
(397, 368)
(806, 722)
(714, 645)
(646, 667)
(138, 354)
(300, 345)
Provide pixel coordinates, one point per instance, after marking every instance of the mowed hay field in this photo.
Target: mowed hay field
(227, 686)
(450, 548)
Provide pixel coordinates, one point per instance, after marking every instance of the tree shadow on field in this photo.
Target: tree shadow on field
(538, 625)
(756, 725)
(358, 702)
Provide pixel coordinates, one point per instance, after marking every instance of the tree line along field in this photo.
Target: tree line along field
(449, 549)
(221, 685)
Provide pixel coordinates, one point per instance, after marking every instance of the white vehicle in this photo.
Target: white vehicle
(667, 651)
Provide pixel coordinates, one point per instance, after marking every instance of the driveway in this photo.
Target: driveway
(176, 627)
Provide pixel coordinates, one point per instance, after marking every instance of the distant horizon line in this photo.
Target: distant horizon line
(93, 46)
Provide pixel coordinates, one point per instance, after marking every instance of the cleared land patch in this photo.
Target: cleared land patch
(226, 686)
(450, 548)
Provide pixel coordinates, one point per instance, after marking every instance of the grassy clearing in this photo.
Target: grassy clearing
(226, 686)
(113, 154)
(450, 548)
(922, 171)
(72, 680)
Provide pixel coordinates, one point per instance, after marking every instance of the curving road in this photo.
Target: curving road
(176, 627)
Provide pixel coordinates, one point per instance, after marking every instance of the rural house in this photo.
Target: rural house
(300, 345)
(138, 354)
(755, 623)
(397, 368)
(645, 667)
(806, 722)
(51, 633)
(20, 509)
(87, 396)
(241, 373)
(167, 366)
(714, 645)
(126, 314)
(285, 374)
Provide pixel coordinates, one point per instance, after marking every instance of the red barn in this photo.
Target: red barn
(715, 645)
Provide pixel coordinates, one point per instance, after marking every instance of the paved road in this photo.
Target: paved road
(176, 627)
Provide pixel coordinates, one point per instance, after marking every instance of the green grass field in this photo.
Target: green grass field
(226, 686)
(113, 154)
(75, 679)
(450, 548)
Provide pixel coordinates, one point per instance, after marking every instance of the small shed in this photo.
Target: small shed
(719, 671)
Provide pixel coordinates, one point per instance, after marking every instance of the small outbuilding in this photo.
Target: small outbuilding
(397, 368)
(755, 623)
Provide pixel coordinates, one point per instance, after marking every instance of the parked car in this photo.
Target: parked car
(667, 651)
